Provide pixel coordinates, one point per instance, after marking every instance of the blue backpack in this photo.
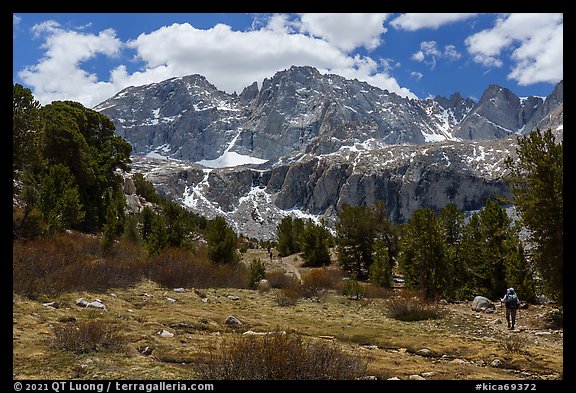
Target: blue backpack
(512, 301)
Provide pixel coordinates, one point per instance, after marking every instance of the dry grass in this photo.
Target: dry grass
(142, 310)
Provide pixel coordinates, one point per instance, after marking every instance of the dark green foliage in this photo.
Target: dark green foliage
(423, 255)
(519, 274)
(364, 235)
(257, 271)
(356, 230)
(83, 140)
(314, 242)
(353, 289)
(288, 232)
(26, 130)
(115, 218)
(65, 134)
(145, 189)
(58, 199)
(158, 237)
(380, 271)
(537, 184)
(451, 221)
(131, 232)
(147, 218)
(221, 241)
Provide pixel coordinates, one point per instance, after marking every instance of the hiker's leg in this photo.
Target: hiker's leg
(508, 316)
(513, 318)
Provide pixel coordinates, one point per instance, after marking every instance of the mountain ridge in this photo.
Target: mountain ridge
(305, 143)
(188, 118)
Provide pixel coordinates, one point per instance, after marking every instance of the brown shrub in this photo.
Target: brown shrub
(322, 278)
(175, 267)
(72, 261)
(412, 309)
(282, 357)
(279, 279)
(87, 336)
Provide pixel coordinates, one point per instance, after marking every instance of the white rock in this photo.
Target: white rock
(171, 300)
(416, 377)
(179, 290)
(394, 379)
(165, 333)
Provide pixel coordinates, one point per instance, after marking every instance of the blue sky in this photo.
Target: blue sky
(90, 57)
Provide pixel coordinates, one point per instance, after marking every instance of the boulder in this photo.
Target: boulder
(480, 303)
(264, 285)
(232, 320)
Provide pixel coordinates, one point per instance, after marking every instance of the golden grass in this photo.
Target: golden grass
(360, 328)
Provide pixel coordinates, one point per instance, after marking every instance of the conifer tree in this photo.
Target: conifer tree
(314, 242)
(423, 254)
(537, 184)
(221, 241)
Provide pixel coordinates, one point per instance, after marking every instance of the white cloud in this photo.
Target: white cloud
(416, 75)
(412, 22)
(346, 31)
(534, 42)
(15, 22)
(429, 52)
(229, 59)
(58, 74)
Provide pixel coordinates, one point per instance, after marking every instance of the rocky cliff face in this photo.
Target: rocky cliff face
(406, 178)
(305, 143)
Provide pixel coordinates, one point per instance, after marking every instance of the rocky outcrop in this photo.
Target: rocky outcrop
(406, 178)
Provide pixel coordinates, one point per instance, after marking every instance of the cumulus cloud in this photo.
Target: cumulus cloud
(415, 21)
(534, 42)
(58, 74)
(229, 59)
(346, 31)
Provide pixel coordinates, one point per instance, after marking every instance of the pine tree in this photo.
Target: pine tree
(314, 242)
(158, 236)
(422, 254)
(221, 241)
(288, 233)
(451, 221)
(380, 271)
(356, 230)
(58, 199)
(537, 184)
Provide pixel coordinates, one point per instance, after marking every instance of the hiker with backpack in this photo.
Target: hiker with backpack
(512, 304)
